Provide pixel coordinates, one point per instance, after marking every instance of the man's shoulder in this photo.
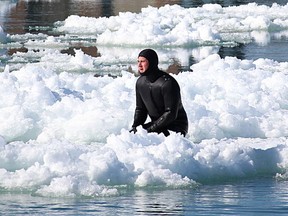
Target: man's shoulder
(167, 77)
(141, 80)
(168, 81)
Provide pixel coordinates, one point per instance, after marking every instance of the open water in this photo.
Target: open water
(38, 191)
(249, 197)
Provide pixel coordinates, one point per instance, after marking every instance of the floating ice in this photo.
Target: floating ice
(67, 134)
(71, 130)
(173, 25)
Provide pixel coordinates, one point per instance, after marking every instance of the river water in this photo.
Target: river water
(50, 157)
(261, 197)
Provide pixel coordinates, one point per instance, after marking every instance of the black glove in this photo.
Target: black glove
(150, 127)
(147, 125)
(166, 132)
(134, 130)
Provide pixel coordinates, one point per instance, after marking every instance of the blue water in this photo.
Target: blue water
(260, 196)
(263, 196)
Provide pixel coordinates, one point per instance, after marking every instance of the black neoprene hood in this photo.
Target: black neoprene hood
(151, 56)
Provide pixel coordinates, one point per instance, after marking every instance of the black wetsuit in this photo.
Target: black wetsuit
(158, 95)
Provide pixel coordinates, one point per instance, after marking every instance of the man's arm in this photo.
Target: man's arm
(171, 97)
(140, 114)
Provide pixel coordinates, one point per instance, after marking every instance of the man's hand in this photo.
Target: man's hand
(147, 126)
(134, 130)
(150, 127)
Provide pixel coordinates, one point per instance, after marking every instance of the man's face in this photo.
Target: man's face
(143, 64)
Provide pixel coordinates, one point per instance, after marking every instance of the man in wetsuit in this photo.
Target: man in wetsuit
(157, 95)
